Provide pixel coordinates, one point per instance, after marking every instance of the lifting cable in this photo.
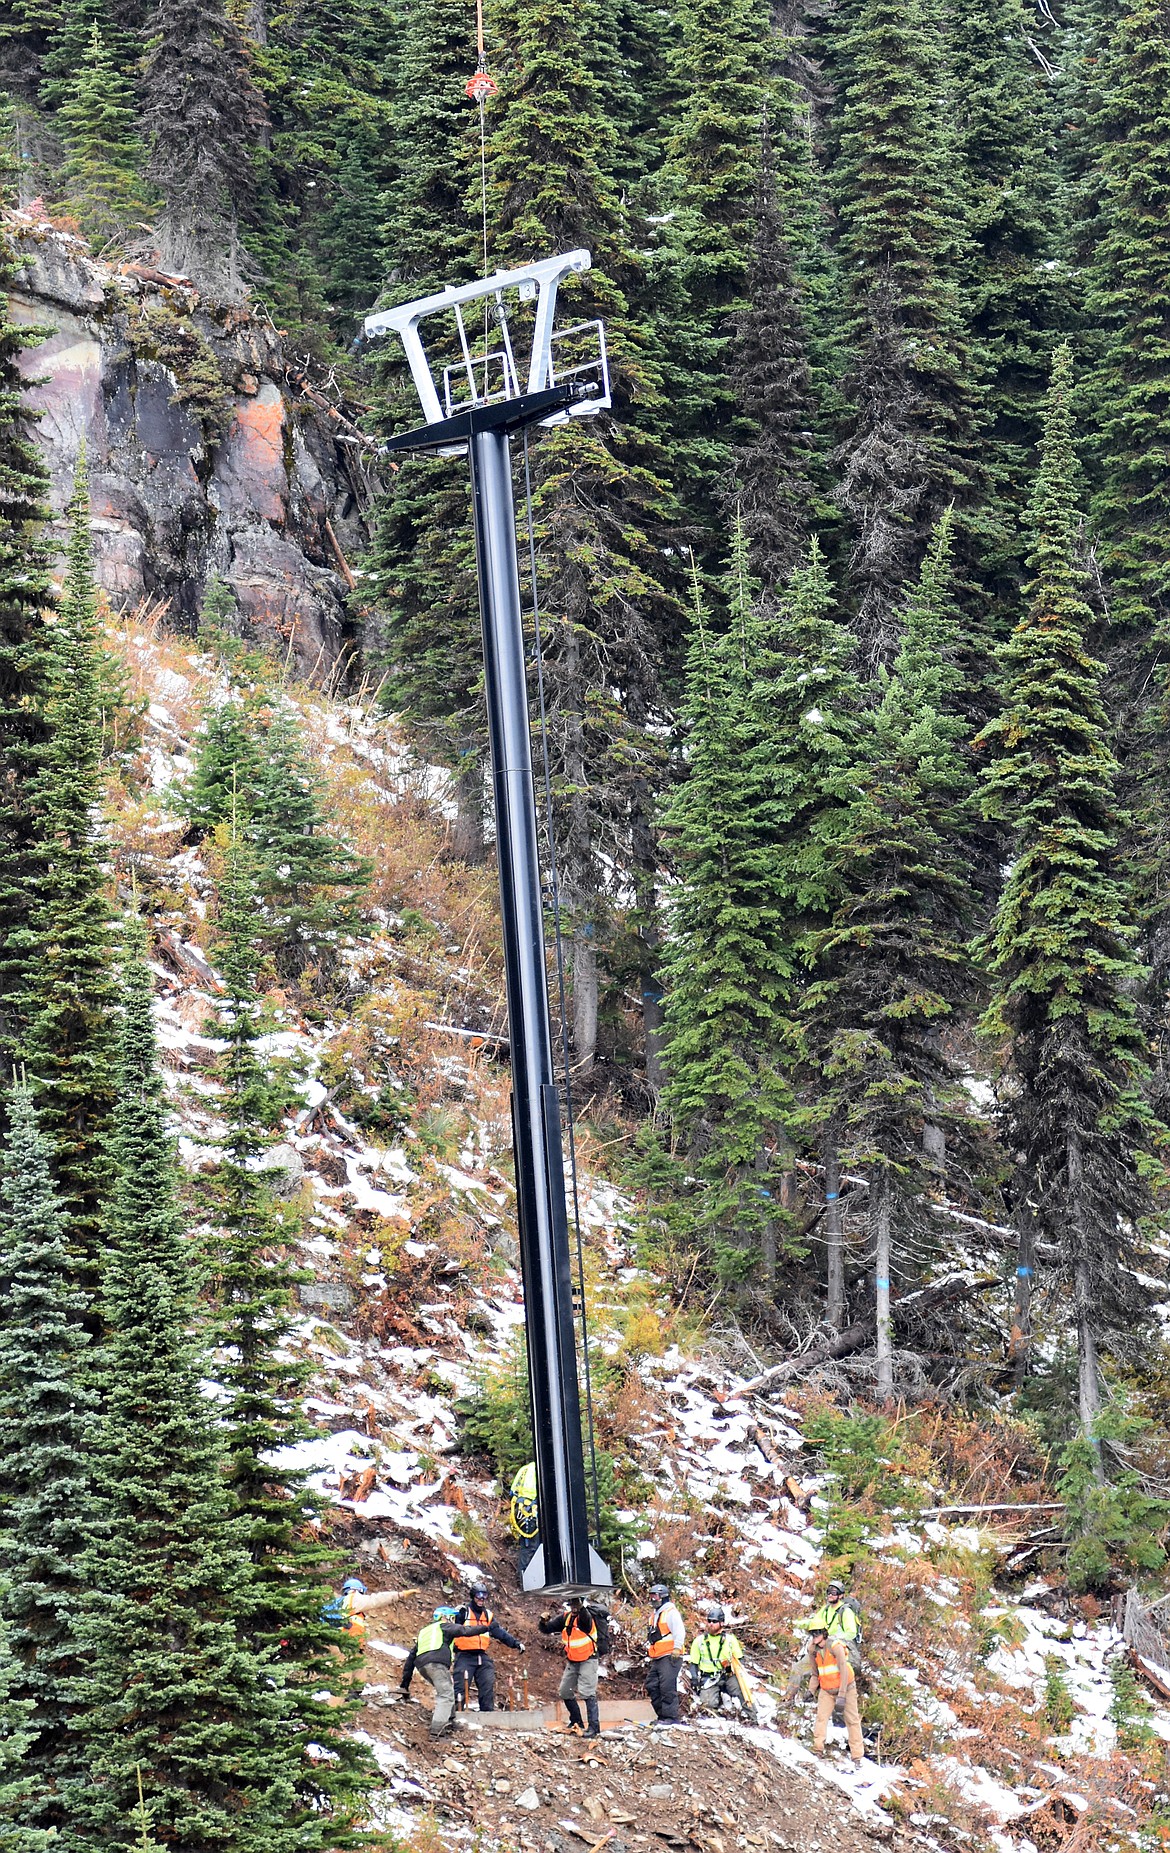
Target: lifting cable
(479, 89)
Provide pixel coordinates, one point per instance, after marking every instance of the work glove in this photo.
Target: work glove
(522, 1649)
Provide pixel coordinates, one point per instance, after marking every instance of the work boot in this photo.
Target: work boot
(594, 1719)
(576, 1722)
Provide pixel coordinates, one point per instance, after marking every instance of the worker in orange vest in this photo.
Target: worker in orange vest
(473, 1662)
(666, 1639)
(584, 1635)
(832, 1677)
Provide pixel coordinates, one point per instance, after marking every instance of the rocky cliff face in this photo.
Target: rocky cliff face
(208, 452)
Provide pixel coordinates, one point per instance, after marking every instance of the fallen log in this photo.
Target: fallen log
(925, 1299)
(1054, 1505)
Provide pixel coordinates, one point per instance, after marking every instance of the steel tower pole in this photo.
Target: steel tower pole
(566, 1558)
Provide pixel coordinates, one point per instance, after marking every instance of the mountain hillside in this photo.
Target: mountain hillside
(1004, 1712)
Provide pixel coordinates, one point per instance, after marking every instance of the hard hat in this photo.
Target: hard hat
(355, 1583)
(478, 1593)
(836, 1583)
(659, 1591)
(715, 1613)
(820, 1629)
(445, 1614)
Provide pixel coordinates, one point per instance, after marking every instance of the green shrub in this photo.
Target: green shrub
(1059, 1709)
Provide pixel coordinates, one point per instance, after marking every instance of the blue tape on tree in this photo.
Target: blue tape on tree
(1023, 1273)
(830, 1196)
(883, 1280)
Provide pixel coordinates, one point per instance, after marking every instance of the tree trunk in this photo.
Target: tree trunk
(467, 841)
(585, 998)
(1021, 1338)
(880, 1225)
(834, 1235)
(1088, 1375)
(934, 1145)
(645, 864)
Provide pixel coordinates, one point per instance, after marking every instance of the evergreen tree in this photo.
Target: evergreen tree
(912, 434)
(424, 606)
(1017, 290)
(751, 830)
(102, 150)
(25, 594)
(350, 239)
(175, 1691)
(201, 117)
(774, 458)
(70, 990)
(251, 760)
(603, 505)
(1130, 298)
(892, 966)
(46, 1418)
(253, 1278)
(16, 1783)
(1060, 948)
(723, 80)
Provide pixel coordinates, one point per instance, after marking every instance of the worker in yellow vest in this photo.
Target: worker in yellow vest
(524, 1515)
(474, 1665)
(715, 1666)
(666, 1639)
(431, 1656)
(833, 1677)
(584, 1635)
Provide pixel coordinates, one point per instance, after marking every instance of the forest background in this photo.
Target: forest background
(853, 656)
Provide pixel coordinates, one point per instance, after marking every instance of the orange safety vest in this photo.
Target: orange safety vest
(829, 1670)
(476, 1643)
(662, 1642)
(353, 1617)
(579, 1646)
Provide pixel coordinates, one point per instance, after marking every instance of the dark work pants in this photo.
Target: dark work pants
(476, 1671)
(662, 1686)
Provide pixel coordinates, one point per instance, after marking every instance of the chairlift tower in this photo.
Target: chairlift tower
(472, 405)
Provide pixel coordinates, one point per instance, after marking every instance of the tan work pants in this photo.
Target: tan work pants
(825, 1704)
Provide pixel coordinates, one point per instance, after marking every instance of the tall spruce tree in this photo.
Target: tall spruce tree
(176, 1695)
(774, 429)
(1060, 948)
(70, 990)
(202, 116)
(912, 434)
(724, 78)
(253, 1281)
(892, 967)
(1017, 289)
(103, 152)
(25, 596)
(47, 1410)
(16, 1781)
(751, 830)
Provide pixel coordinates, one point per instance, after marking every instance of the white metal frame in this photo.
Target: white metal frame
(533, 282)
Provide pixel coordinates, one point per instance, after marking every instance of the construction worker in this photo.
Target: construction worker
(840, 1616)
(348, 1610)
(431, 1656)
(524, 1515)
(666, 1638)
(584, 1634)
(832, 1677)
(714, 1666)
(473, 1663)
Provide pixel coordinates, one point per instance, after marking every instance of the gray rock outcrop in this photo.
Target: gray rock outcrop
(208, 452)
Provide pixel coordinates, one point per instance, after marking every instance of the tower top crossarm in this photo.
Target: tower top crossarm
(480, 377)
